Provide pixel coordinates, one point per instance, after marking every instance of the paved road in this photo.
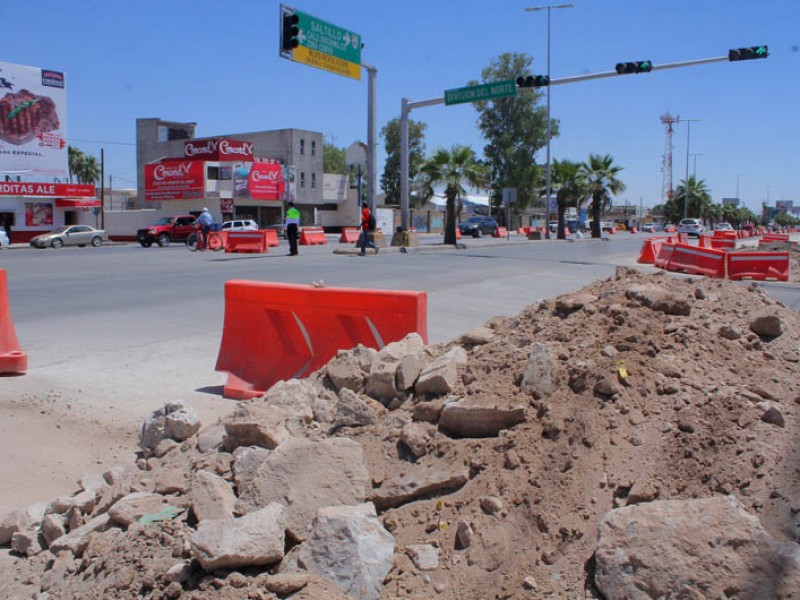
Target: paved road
(112, 333)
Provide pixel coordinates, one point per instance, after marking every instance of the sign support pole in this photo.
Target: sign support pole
(372, 170)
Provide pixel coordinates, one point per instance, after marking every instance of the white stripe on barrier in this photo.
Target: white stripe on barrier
(749, 257)
(699, 253)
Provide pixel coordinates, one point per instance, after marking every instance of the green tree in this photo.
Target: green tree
(452, 169)
(334, 160)
(515, 129)
(785, 220)
(390, 180)
(569, 181)
(694, 194)
(83, 167)
(601, 180)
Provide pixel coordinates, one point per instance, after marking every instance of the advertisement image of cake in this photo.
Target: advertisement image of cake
(24, 115)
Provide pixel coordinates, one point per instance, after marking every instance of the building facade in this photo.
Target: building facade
(240, 175)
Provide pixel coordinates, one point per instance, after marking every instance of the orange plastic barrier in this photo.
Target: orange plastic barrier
(698, 261)
(500, 232)
(776, 237)
(277, 331)
(664, 254)
(722, 244)
(12, 359)
(758, 265)
(349, 235)
(634, 230)
(649, 251)
(247, 241)
(271, 237)
(313, 236)
(683, 238)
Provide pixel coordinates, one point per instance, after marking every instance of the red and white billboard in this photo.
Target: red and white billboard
(218, 149)
(33, 122)
(47, 190)
(174, 180)
(259, 180)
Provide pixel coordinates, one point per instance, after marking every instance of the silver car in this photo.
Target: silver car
(691, 227)
(72, 235)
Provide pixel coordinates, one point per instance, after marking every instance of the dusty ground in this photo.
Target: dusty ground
(646, 405)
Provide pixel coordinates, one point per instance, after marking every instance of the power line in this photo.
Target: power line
(103, 142)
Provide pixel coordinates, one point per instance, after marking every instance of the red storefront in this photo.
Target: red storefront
(32, 208)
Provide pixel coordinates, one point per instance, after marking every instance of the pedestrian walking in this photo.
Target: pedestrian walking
(292, 226)
(367, 227)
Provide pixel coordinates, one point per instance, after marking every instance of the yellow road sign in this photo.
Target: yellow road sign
(326, 62)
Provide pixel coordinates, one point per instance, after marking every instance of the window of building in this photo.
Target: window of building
(313, 181)
(302, 146)
(212, 173)
(302, 179)
(313, 148)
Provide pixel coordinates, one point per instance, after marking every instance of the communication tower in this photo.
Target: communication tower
(666, 168)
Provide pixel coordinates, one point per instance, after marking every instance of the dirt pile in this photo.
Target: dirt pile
(495, 475)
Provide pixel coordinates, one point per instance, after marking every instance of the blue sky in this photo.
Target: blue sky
(217, 64)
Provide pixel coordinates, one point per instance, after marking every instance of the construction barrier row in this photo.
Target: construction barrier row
(12, 358)
(313, 236)
(275, 332)
(715, 262)
(247, 241)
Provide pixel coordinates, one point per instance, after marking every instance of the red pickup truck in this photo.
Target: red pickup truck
(166, 230)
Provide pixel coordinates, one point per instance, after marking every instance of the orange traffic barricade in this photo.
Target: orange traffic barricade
(758, 265)
(271, 237)
(277, 331)
(12, 358)
(349, 235)
(698, 261)
(500, 232)
(313, 236)
(649, 251)
(246, 241)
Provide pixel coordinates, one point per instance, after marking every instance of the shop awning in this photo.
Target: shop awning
(77, 202)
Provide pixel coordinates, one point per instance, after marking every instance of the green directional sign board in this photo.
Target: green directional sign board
(326, 46)
(478, 93)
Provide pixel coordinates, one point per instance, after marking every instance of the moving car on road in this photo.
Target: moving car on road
(693, 227)
(72, 235)
(723, 227)
(649, 228)
(477, 225)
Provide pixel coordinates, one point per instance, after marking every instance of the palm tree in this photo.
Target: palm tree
(452, 169)
(73, 160)
(694, 194)
(601, 181)
(568, 179)
(90, 170)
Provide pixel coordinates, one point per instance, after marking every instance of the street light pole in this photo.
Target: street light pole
(686, 183)
(547, 167)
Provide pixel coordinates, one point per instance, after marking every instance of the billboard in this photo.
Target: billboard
(174, 180)
(33, 123)
(263, 180)
(221, 149)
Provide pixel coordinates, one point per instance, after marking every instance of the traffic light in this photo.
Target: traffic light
(640, 66)
(750, 53)
(289, 32)
(533, 81)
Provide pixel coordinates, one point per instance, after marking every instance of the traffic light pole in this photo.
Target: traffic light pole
(406, 106)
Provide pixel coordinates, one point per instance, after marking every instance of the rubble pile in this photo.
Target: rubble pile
(636, 439)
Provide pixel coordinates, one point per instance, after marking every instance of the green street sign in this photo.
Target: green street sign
(323, 45)
(478, 93)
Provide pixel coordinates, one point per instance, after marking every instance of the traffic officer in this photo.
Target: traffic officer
(292, 226)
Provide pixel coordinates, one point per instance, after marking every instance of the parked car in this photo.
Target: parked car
(693, 227)
(649, 228)
(4, 243)
(553, 226)
(240, 225)
(606, 226)
(72, 235)
(166, 230)
(723, 227)
(477, 225)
